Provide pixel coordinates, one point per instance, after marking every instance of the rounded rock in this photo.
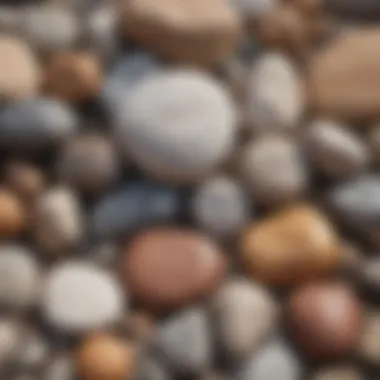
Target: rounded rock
(245, 314)
(20, 74)
(252, 11)
(273, 169)
(220, 206)
(369, 345)
(61, 367)
(68, 301)
(171, 267)
(12, 215)
(151, 369)
(325, 320)
(343, 372)
(172, 134)
(11, 335)
(34, 352)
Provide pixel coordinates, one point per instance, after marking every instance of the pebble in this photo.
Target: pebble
(325, 319)
(335, 150)
(369, 346)
(274, 360)
(184, 342)
(50, 27)
(12, 215)
(58, 223)
(354, 9)
(252, 11)
(220, 206)
(246, 315)
(133, 206)
(171, 267)
(74, 76)
(89, 163)
(36, 124)
(151, 369)
(105, 357)
(20, 277)
(272, 166)
(369, 273)
(68, 301)
(10, 339)
(352, 93)
(60, 367)
(290, 247)
(19, 70)
(203, 32)
(178, 125)
(340, 372)
(275, 95)
(9, 18)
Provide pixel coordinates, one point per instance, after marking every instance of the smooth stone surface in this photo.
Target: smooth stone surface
(12, 215)
(133, 206)
(68, 301)
(335, 150)
(245, 314)
(352, 93)
(339, 372)
(220, 206)
(151, 369)
(274, 360)
(273, 169)
(20, 277)
(11, 335)
(60, 367)
(203, 32)
(178, 125)
(275, 95)
(36, 124)
(58, 221)
(290, 247)
(34, 353)
(184, 342)
(172, 267)
(369, 346)
(325, 320)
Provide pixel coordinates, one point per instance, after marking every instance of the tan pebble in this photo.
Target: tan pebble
(369, 346)
(199, 31)
(12, 217)
(74, 76)
(104, 357)
(338, 372)
(19, 70)
(293, 246)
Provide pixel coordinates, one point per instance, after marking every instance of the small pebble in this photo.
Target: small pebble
(171, 267)
(220, 206)
(369, 346)
(11, 334)
(252, 11)
(60, 367)
(151, 369)
(246, 314)
(184, 342)
(19, 71)
(183, 136)
(325, 320)
(9, 18)
(68, 301)
(12, 215)
(104, 357)
(342, 372)
(273, 169)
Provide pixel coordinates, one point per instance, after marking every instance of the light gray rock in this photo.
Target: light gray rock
(184, 341)
(60, 367)
(79, 297)
(246, 315)
(178, 125)
(34, 351)
(254, 10)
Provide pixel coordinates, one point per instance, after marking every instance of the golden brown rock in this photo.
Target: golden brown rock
(293, 246)
(74, 76)
(12, 216)
(104, 357)
(344, 78)
(203, 32)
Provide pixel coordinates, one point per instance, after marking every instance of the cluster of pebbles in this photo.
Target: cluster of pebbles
(190, 190)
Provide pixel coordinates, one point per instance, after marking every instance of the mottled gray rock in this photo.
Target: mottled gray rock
(36, 124)
(134, 206)
(246, 314)
(79, 297)
(20, 277)
(178, 125)
(335, 150)
(220, 206)
(151, 369)
(184, 341)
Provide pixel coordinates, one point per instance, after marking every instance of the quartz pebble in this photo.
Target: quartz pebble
(342, 372)
(183, 136)
(290, 247)
(246, 314)
(169, 268)
(12, 215)
(369, 346)
(203, 32)
(325, 319)
(68, 301)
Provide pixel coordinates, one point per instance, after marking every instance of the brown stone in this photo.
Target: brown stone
(167, 268)
(74, 76)
(295, 245)
(104, 357)
(325, 320)
(12, 216)
(203, 32)
(369, 346)
(344, 78)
